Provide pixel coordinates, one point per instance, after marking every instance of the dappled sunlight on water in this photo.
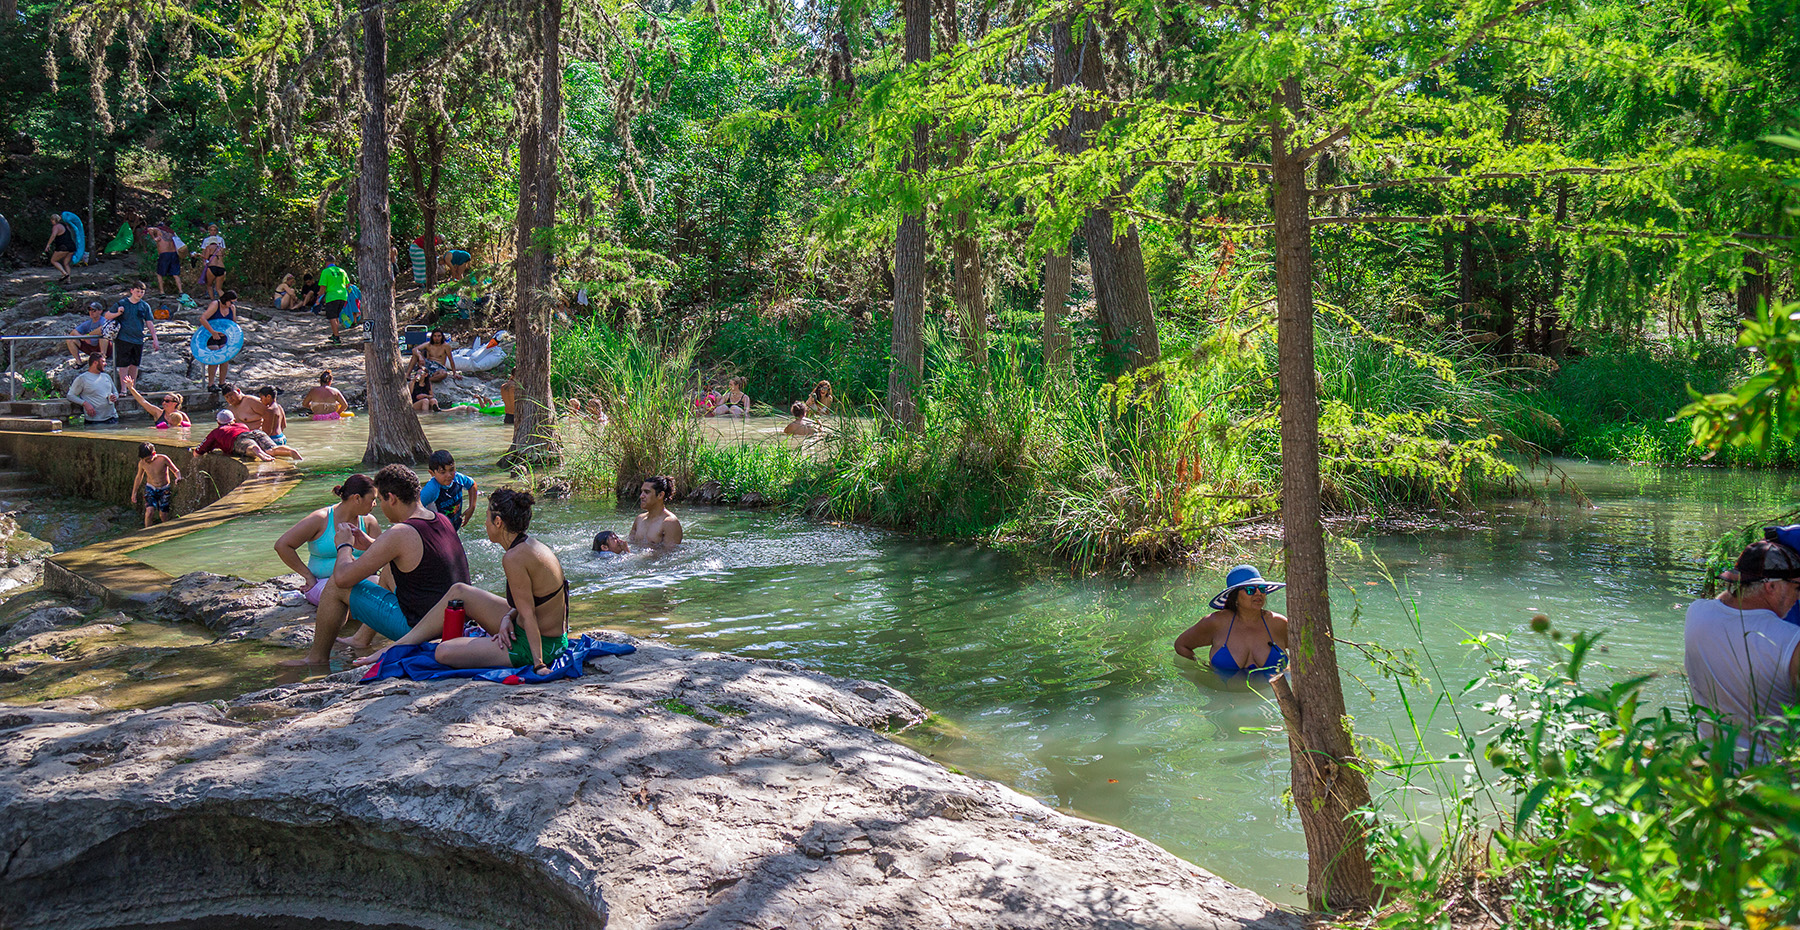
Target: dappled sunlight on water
(1064, 687)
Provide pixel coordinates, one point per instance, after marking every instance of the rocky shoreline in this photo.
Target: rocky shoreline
(665, 789)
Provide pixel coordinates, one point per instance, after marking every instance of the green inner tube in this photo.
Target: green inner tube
(493, 411)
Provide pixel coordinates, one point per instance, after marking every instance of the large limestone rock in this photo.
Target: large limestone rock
(666, 789)
(273, 611)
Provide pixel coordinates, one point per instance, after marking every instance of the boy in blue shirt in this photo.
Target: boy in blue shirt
(444, 492)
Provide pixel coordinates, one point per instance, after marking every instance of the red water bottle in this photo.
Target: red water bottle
(453, 620)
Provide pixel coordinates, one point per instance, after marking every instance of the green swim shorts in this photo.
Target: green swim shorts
(520, 652)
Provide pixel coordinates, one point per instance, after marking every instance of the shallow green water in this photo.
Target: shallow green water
(1066, 688)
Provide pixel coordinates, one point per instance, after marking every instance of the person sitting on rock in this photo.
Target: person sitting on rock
(530, 625)
(437, 357)
(423, 550)
(90, 335)
(316, 530)
(657, 527)
(325, 402)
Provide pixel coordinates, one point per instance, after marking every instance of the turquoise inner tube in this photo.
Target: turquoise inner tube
(234, 343)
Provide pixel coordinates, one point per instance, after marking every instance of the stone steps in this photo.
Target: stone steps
(39, 408)
(30, 425)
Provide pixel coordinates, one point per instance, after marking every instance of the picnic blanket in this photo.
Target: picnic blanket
(419, 663)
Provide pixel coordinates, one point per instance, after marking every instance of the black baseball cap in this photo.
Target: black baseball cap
(1766, 559)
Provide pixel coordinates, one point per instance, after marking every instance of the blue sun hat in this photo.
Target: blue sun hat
(1241, 577)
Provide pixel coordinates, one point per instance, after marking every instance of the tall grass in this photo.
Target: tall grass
(643, 386)
(1138, 470)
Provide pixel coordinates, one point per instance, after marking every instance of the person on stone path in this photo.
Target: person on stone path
(423, 549)
(1241, 636)
(287, 294)
(212, 263)
(657, 527)
(156, 474)
(61, 246)
(334, 288)
(1742, 658)
(135, 321)
(223, 309)
(93, 391)
(315, 532)
(529, 626)
(90, 336)
(168, 415)
(325, 402)
(168, 260)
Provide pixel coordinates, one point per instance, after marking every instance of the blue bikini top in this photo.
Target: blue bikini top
(1224, 663)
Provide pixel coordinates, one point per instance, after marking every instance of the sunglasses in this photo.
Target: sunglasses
(1257, 588)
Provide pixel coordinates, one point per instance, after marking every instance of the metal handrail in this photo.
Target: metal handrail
(12, 356)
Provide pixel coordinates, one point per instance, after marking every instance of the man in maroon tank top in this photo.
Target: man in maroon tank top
(423, 549)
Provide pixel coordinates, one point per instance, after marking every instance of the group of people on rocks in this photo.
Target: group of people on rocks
(398, 581)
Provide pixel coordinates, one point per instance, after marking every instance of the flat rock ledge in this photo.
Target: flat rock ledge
(666, 789)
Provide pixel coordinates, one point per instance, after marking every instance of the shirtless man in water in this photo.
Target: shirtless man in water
(325, 401)
(656, 527)
(248, 410)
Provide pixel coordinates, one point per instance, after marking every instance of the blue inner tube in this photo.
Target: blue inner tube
(234, 343)
(5, 233)
(75, 228)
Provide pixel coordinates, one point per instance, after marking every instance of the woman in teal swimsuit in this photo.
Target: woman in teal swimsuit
(317, 531)
(1240, 636)
(528, 627)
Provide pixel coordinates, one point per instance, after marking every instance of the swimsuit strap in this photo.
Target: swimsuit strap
(1265, 622)
(522, 538)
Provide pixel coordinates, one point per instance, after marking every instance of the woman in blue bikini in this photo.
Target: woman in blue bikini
(1241, 635)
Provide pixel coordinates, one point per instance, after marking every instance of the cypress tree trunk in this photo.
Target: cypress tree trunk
(1327, 785)
(1121, 289)
(533, 264)
(906, 369)
(971, 293)
(1056, 300)
(394, 431)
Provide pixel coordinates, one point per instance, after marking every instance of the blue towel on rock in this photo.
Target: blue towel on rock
(1788, 536)
(419, 662)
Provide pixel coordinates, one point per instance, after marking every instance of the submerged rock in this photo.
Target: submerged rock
(666, 789)
(265, 610)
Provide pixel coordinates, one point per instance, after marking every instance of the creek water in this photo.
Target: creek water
(1063, 687)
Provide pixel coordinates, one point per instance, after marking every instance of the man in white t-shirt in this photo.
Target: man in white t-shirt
(1743, 659)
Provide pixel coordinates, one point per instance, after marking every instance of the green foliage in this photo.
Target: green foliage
(785, 356)
(1764, 411)
(1620, 816)
(36, 383)
(642, 386)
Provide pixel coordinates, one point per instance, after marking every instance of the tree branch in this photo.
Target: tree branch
(1489, 176)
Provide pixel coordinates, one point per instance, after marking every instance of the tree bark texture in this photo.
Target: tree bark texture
(1758, 286)
(394, 431)
(534, 258)
(971, 293)
(1326, 784)
(906, 369)
(1121, 289)
(1056, 300)
(426, 169)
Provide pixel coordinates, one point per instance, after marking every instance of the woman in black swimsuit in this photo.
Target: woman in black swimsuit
(61, 247)
(530, 625)
(423, 400)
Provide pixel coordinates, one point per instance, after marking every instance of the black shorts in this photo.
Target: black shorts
(168, 264)
(129, 353)
(217, 271)
(216, 342)
(332, 307)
